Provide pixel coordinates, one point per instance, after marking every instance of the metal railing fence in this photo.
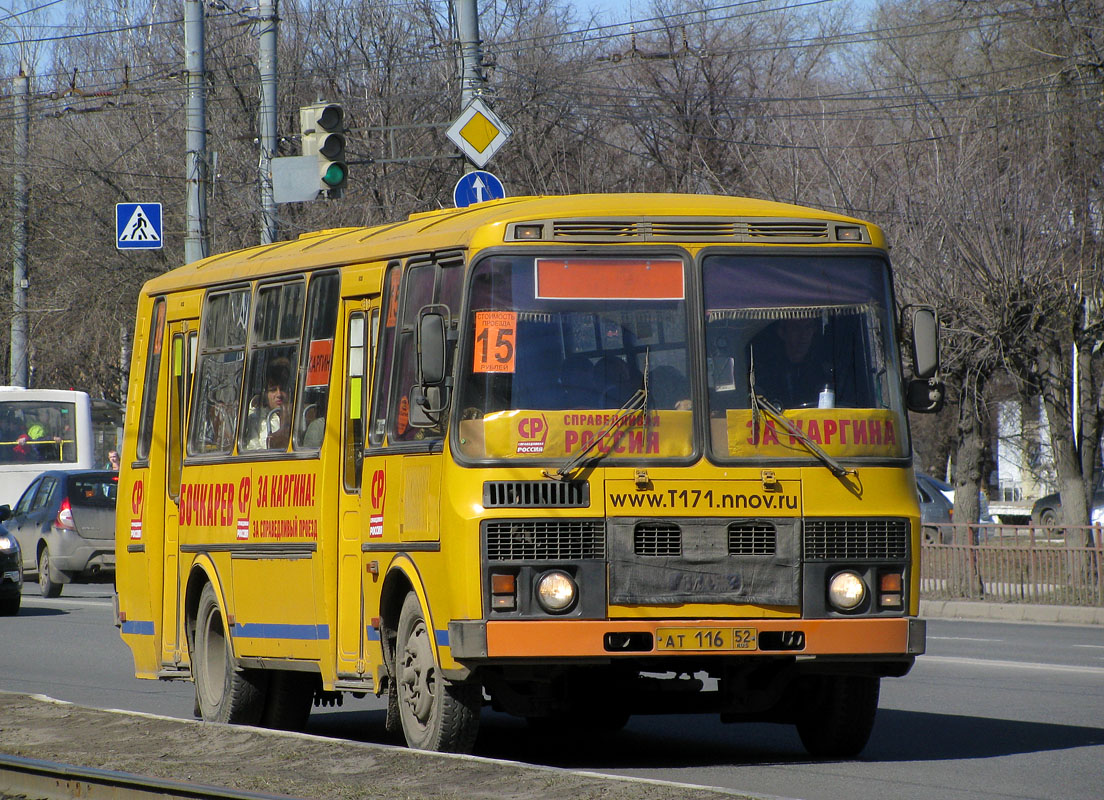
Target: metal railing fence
(1015, 564)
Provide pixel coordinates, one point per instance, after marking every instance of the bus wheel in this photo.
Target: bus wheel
(436, 713)
(225, 693)
(46, 583)
(288, 700)
(837, 716)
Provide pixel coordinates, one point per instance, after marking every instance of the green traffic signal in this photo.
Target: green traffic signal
(335, 175)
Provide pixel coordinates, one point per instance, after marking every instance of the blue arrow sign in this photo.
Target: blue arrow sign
(477, 187)
(138, 226)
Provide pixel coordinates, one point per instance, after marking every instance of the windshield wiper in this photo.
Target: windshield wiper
(758, 401)
(638, 402)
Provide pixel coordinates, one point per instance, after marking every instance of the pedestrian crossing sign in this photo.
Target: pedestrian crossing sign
(138, 226)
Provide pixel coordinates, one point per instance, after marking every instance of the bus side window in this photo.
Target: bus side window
(356, 381)
(385, 353)
(149, 386)
(417, 291)
(316, 361)
(214, 414)
(273, 366)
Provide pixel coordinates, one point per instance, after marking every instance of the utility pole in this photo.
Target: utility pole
(266, 30)
(20, 371)
(471, 55)
(196, 245)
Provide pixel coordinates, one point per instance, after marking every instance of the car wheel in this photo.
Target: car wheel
(1048, 517)
(929, 535)
(46, 584)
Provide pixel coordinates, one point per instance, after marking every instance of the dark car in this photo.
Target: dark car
(935, 511)
(65, 525)
(11, 570)
(1046, 509)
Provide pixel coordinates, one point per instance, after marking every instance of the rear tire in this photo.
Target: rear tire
(436, 713)
(46, 583)
(224, 692)
(836, 714)
(289, 699)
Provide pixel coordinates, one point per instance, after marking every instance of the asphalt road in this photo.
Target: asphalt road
(995, 710)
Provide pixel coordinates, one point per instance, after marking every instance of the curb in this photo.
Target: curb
(1011, 612)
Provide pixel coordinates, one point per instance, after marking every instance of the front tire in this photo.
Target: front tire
(837, 714)
(47, 586)
(224, 693)
(436, 713)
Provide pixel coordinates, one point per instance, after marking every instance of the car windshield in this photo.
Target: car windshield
(559, 345)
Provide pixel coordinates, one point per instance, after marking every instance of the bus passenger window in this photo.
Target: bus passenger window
(213, 423)
(317, 359)
(273, 366)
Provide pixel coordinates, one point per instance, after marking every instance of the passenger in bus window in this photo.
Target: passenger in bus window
(265, 426)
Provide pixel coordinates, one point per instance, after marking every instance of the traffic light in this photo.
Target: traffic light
(323, 129)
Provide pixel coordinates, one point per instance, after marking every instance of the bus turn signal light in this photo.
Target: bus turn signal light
(503, 592)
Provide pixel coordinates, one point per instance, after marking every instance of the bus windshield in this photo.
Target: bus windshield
(559, 345)
(812, 337)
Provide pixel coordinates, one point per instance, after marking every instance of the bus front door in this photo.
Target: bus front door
(359, 318)
(182, 337)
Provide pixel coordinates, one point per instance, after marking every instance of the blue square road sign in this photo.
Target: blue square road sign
(138, 226)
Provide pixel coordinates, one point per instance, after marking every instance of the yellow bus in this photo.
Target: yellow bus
(576, 458)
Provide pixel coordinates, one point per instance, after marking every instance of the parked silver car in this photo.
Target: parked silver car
(65, 525)
(935, 511)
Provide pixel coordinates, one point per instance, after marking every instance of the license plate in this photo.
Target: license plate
(706, 639)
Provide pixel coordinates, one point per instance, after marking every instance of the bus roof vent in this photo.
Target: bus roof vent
(685, 229)
(536, 494)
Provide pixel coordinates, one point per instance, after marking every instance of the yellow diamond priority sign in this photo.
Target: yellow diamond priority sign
(478, 132)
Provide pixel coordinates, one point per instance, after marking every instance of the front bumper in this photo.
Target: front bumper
(575, 639)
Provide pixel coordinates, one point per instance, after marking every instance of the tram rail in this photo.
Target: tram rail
(36, 779)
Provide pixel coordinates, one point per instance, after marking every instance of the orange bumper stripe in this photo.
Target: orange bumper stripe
(559, 638)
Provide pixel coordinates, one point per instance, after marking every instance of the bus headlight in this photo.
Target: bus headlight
(846, 590)
(556, 591)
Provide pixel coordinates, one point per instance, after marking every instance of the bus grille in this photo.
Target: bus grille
(544, 540)
(536, 494)
(657, 539)
(851, 539)
(691, 229)
(751, 539)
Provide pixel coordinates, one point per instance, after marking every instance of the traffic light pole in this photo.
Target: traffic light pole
(20, 371)
(266, 30)
(195, 239)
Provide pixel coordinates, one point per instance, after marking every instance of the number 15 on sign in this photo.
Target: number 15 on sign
(495, 332)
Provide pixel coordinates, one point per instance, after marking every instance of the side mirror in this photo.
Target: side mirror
(5, 512)
(924, 396)
(429, 397)
(431, 347)
(925, 342)
(924, 393)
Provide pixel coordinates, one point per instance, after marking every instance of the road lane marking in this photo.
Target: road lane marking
(962, 639)
(1029, 665)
